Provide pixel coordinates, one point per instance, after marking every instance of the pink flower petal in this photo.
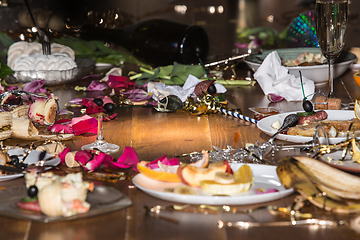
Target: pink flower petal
(118, 81)
(86, 126)
(137, 95)
(60, 128)
(96, 76)
(96, 86)
(11, 87)
(63, 154)
(75, 101)
(164, 160)
(128, 159)
(107, 99)
(274, 98)
(34, 86)
(96, 162)
(78, 119)
(83, 157)
(262, 191)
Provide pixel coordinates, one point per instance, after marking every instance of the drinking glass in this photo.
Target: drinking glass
(100, 143)
(331, 25)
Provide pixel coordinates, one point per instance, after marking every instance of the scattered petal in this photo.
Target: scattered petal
(60, 128)
(169, 162)
(84, 125)
(96, 162)
(119, 82)
(111, 117)
(96, 86)
(93, 76)
(274, 98)
(137, 95)
(128, 159)
(76, 101)
(83, 157)
(35, 86)
(63, 154)
(262, 191)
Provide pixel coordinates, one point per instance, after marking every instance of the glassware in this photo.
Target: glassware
(331, 25)
(100, 143)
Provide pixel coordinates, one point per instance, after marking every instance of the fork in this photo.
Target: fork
(46, 48)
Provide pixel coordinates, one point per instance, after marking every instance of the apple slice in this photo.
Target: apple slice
(192, 175)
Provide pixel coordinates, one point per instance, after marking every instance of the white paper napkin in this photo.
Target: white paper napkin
(158, 89)
(274, 78)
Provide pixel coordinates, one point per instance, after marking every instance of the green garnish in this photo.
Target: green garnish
(304, 114)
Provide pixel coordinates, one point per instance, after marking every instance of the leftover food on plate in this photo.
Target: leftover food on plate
(56, 195)
(217, 179)
(307, 124)
(305, 59)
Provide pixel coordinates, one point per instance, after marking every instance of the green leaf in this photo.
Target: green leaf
(98, 51)
(181, 72)
(5, 70)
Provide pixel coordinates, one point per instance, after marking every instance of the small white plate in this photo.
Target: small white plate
(346, 165)
(32, 158)
(265, 177)
(265, 125)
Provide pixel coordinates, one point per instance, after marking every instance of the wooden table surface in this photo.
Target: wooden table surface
(153, 135)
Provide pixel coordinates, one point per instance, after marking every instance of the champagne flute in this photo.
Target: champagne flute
(331, 25)
(100, 143)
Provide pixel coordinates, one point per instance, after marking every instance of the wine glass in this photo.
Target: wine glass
(331, 25)
(100, 143)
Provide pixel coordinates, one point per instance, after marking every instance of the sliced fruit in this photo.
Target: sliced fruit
(215, 188)
(204, 162)
(228, 184)
(356, 150)
(244, 174)
(357, 109)
(224, 178)
(184, 190)
(221, 164)
(357, 78)
(192, 176)
(157, 175)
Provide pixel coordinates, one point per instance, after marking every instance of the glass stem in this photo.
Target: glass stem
(100, 133)
(331, 77)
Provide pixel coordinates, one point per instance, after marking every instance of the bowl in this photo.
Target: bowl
(55, 77)
(318, 73)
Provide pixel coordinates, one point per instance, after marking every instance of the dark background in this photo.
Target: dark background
(220, 24)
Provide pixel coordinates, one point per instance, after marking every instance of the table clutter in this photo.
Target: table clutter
(152, 150)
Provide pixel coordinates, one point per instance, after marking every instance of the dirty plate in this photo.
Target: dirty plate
(265, 177)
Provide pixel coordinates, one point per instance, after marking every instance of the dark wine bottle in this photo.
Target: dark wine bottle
(158, 42)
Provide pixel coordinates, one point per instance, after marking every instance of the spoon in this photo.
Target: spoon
(289, 121)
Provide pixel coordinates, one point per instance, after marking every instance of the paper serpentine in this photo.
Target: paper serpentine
(237, 115)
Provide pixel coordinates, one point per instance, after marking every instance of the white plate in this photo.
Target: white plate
(265, 177)
(347, 164)
(265, 125)
(32, 158)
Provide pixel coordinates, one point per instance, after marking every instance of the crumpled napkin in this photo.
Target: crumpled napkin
(158, 89)
(274, 78)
